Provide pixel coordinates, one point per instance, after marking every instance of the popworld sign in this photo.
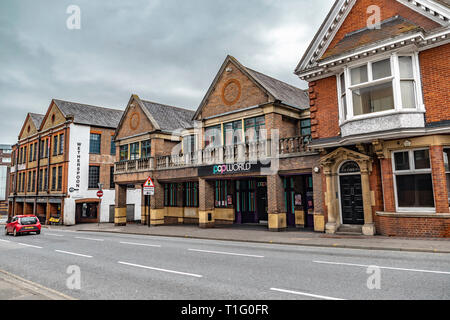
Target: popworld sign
(230, 168)
(234, 168)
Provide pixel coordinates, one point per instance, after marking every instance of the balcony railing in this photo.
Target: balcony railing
(250, 151)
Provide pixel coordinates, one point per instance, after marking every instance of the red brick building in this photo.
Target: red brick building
(380, 115)
(241, 158)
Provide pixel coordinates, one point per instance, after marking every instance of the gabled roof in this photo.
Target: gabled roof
(163, 117)
(282, 91)
(390, 28)
(169, 118)
(89, 115)
(435, 10)
(37, 119)
(276, 89)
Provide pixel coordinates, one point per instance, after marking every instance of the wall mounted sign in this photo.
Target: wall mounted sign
(235, 168)
(78, 176)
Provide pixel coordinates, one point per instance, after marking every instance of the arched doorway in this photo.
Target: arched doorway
(351, 194)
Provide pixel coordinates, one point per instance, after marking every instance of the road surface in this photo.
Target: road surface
(117, 266)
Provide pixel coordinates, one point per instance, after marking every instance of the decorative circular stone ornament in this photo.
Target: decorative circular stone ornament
(231, 92)
(135, 120)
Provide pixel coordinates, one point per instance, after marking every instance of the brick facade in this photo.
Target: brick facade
(324, 108)
(435, 68)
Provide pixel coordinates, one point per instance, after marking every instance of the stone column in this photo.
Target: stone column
(276, 203)
(206, 204)
(332, 224)
(369, 227)
(157, 209)
(120, 212)
(439, 179)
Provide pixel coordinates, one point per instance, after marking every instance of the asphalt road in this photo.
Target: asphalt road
(116, 266)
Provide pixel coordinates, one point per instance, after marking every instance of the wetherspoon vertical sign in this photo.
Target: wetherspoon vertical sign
(78, 176)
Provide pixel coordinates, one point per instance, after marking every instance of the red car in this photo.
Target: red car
(23, 224)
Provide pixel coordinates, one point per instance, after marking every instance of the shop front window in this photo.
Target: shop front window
(221, 193)
(170, 194)
(191, 194)
(413, 180)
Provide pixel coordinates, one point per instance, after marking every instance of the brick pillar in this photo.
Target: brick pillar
(388, 185)
(439, 179)
(120, 214)
(206, 203)
(157, 210)
(276, 203)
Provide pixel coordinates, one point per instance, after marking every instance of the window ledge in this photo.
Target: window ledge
(413, 215)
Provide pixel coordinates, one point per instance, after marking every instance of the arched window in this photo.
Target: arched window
(350, 167)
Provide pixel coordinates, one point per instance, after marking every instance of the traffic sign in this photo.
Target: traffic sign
(149, 187)
(149, 183)
(100, 194)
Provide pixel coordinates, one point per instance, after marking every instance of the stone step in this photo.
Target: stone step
(349, 230)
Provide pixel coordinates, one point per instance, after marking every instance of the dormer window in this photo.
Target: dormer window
(378, 87)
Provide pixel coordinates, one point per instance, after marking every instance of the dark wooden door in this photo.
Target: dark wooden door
(351, 200)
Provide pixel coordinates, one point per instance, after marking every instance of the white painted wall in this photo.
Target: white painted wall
(135, 197)
(81, 134)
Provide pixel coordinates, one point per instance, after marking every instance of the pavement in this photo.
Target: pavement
(260, 234)
(13, 287)
(110, 266)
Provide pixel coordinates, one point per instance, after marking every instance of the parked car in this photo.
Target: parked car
(23, 224)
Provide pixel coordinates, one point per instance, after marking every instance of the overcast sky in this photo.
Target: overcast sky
(166, 51)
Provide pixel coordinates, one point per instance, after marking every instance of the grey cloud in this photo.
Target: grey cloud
(164, 50)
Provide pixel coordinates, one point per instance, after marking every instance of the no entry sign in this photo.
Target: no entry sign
(100, 194)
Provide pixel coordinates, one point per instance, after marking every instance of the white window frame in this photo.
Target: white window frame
(394, 78)
(412, 171)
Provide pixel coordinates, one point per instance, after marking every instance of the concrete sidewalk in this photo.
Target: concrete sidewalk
(13, 287)
(260, 234)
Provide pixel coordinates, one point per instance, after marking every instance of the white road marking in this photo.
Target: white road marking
(141, 244)
(227, 253)
(388, 268)
(305, 294)
(29, 245)
(4, 240)
(90, 239)
(53, 235)
(74, 254)
(163, 270)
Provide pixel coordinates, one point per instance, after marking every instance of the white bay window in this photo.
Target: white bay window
(385, 86)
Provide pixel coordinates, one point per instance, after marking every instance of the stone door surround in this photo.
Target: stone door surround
(331, 164)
